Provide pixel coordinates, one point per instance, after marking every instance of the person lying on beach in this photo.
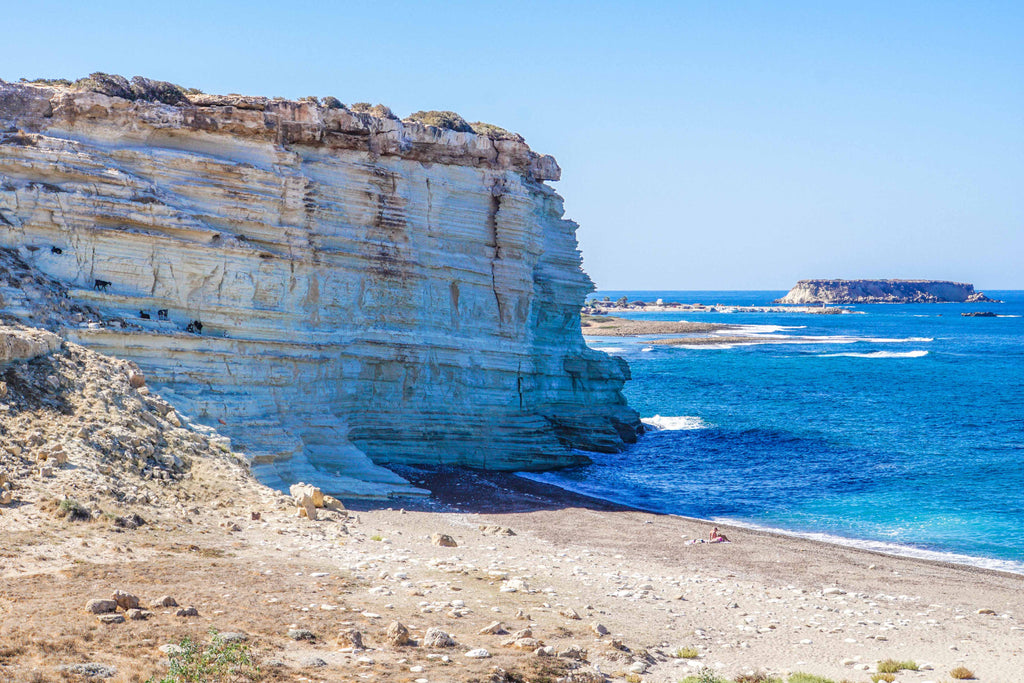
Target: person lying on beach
(717, 537)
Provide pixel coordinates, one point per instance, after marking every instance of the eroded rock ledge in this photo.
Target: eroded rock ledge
(881, 292)
(365, 286)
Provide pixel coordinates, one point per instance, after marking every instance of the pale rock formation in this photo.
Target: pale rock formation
(329, 289)
(881, 292)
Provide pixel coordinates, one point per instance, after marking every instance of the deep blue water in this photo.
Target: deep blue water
(900, 427)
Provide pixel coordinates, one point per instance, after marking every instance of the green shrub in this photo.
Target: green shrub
(892, 666)
(73, 511)
(215, 661)
(687, 653)
(886, 677)
(494, 132)
(379, 110)
(706, 675)
(757, 677)
(808, 678)
(447, 120)
(332, 102)
(47, 81)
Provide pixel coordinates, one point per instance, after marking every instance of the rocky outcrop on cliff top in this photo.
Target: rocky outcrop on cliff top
(331, 289)
(881, 292)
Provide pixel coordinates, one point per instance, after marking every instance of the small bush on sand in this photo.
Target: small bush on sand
(892, 666)
(757, 677)
(879, 678)
(706, 675)
(808, 678)
(447, 120)
(73, 511)
(687, 653)
(214, 661)
(962, 673)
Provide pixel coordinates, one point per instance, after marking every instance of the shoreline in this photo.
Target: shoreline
(518, 492)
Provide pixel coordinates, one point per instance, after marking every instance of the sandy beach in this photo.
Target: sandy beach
(527, 555)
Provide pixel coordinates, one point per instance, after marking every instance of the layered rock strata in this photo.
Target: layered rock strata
(881, 292)
(332, 290)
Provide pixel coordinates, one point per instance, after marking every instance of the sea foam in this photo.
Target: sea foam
(676, 423)
(876, 354)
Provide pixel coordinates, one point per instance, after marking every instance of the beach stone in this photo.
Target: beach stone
(599, 629)
(301, 634)
(496, 530)
(189, 611)
(526, 644)
(352, 638)
(495, 628)
(443, 540)
(165, 601)
(125, 600)
(569, 613)
(89, 670)
(397, 634)
(111, 618)
(233, 637)
(101, 606)
(435, 637)
(478, 653)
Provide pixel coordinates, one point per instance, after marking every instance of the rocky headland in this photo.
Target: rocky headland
(331, 287)
(882, 292)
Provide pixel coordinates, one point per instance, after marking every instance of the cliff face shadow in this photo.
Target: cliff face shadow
(461, 489)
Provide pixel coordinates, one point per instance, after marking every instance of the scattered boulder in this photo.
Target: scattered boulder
(397, 634)
(101, 606)
(495, 628)
(299, 490)
(165, 601)
(435, 637)
(138, 614)
(527, 644)
(496, 530)
(569, 613)
(137, 380)
(112, 618)
(352, 638)
(478, 653)
(125, 600)
(233, 637)
(301, 634)
(189, 611)
(443, 540)
(599, 629)
(574, 652)
(314, 663)
(88, 670)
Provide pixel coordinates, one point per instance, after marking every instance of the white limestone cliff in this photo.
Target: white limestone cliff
(370, 291)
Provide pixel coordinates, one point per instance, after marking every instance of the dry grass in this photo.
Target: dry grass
(892, 666)
(962, 673)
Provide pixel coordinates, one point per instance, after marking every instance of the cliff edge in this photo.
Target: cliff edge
(881, 292)
(332, 289)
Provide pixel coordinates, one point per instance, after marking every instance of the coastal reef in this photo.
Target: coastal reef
(332, 288)
(882, 292)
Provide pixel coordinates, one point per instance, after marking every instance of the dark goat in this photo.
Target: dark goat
(195, 327)
(161, 314)
(100, 285)
(144, 315)
(56, 250)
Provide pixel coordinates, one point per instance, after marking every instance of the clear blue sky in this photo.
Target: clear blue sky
(704, 145)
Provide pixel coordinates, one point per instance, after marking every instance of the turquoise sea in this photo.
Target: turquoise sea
(896, 427)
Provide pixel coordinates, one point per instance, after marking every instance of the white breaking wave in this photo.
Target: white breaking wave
(677, 423)
(609, 349)
(754, 330)
(877, 354)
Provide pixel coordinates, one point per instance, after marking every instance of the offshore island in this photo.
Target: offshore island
(248, 348)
